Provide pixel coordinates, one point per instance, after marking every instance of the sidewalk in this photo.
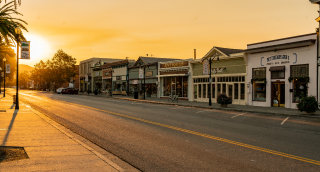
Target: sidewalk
(239, 108)
(48, 146)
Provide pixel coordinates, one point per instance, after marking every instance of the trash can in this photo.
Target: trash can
(14, 99)
(136, 95)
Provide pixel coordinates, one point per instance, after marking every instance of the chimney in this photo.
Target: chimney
(194, 54)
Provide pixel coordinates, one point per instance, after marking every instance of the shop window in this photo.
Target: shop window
(209, 91)
(179, 86)
(213, 91)
(243, 79)
(300, 89)
(224, 87)
(259, 87)
(204, 90)
(259, 91)
(236, 91)
(166, 86)
(226, 79)
(242, 91)
(229, 79)
(185, 86)
(199, 90)
(219, 88)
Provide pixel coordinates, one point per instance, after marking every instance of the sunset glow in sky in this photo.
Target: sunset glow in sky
(166, 28)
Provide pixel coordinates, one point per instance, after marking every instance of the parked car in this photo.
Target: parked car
(69, 91)
(59, 90)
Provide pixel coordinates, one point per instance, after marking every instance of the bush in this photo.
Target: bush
(223, 99)
(308, 104)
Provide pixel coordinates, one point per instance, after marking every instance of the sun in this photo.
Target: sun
(39, 48)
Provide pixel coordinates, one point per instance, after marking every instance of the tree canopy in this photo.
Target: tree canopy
(56, 71)
(8, 24)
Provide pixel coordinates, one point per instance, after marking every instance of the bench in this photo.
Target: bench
(174, 98)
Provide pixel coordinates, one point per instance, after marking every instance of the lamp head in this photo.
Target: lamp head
(218, 60)
(0, 69)
(4, 59)
(17, 30)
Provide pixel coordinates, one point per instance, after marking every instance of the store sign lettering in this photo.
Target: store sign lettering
(176, 64)
(277, 57)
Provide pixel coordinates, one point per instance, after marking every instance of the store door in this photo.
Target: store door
(173, 89)
(278, 94)
(195, 91)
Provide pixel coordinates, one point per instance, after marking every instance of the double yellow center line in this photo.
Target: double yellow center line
(207, 136)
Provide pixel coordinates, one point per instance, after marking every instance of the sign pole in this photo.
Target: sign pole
(210, 86)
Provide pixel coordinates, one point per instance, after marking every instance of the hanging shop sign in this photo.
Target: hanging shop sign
(8, 68)
(97, 73)
(140, 73)
(135, 81)
(175, 64)
(25, 50)
(205, 67)
(149, 73)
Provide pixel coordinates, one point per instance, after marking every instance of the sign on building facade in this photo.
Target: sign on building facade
(8, 68)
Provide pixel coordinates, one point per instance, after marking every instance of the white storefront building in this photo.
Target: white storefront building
(282, 71)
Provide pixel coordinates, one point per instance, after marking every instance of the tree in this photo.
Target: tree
(56, 71)
(8, 24)
(24, 79)
(63, 67)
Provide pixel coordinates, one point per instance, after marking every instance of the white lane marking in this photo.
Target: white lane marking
(237, 115)
(284, 121)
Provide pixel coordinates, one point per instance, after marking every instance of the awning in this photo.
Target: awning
(277, 68)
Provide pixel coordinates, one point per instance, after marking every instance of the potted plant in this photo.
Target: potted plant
(223, 100)
(308, 104)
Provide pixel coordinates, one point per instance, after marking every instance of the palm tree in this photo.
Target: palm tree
(8, 24)
(15, 3)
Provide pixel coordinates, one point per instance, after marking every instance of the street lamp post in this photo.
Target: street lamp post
(210, 79)
(4, 78)
(18, 32)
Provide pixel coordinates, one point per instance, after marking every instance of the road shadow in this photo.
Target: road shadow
(10, 127)
(12, 106)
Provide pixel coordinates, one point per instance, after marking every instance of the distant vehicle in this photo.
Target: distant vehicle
(60, 89)
(69, 91)
(32, 88)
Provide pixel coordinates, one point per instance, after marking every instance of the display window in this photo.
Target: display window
(300, 89)
(258, 84)
(175, 86)
(259, 91)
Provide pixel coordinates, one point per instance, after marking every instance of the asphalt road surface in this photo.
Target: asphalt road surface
(155, 137)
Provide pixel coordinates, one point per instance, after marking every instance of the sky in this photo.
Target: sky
(166, 28)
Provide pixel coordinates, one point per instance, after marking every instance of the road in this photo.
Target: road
(155, 137)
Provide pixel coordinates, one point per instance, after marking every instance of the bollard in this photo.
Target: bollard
(14, 99)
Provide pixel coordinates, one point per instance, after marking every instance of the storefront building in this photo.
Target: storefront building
(136, 83)
(86, 72)
(228, 73)
(114, 76)
(282, 71)
(175, 79)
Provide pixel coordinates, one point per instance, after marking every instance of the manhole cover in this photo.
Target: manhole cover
(9, 153)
